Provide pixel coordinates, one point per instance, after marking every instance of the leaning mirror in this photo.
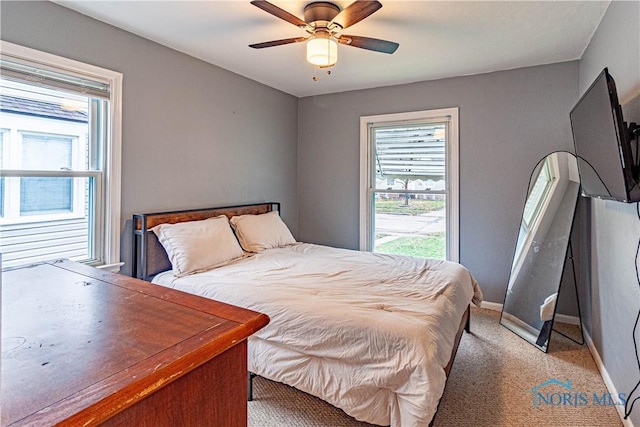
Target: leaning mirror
(541, 249)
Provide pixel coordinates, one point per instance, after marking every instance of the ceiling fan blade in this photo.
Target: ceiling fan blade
(280, 13)
(277, 42)
(356, 12)
(369, 43)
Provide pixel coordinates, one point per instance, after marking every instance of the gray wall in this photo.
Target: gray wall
(611, 229)
(509, 120)
(193, 134)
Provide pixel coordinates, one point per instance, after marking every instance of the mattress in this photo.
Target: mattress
(369, 333)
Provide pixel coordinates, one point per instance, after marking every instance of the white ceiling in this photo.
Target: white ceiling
(437, 39)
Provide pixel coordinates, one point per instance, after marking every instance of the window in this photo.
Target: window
(41, 196)
(537, 196)
(2, 131)
(60, 159)
(409, 183)
(539, 199)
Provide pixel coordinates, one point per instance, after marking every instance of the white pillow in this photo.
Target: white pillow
(195, 246)
(259, 232)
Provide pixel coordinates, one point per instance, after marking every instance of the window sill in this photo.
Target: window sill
(113, 268)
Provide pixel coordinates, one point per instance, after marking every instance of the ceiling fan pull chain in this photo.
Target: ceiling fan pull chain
(315, 73)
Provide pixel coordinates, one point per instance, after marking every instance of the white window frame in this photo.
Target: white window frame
(110, 247)
(452, 170)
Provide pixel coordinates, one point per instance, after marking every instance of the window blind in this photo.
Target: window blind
(31, 73)
(414, 152)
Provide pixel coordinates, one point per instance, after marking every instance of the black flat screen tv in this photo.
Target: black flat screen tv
(603, 144)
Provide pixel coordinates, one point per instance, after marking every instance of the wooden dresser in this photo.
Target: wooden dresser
(82, 346)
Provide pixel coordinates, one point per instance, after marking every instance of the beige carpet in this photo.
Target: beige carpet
(491, 384)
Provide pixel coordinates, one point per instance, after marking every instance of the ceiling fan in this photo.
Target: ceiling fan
(324, 22)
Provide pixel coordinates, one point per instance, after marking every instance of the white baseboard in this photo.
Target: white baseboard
(521, 328)
(605, 376)
(491, 305)
(562, 318)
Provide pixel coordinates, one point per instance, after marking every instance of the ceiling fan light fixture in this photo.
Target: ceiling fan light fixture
(322, 50)
(324, 22)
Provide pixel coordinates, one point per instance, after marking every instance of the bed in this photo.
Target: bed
(372, 334)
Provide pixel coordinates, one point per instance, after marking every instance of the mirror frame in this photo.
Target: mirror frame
(508, 319)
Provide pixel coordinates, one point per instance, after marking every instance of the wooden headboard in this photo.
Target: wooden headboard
(150, 258)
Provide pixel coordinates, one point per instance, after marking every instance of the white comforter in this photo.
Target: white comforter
(368, 333)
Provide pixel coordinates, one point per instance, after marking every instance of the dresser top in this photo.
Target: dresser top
(85, 343)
